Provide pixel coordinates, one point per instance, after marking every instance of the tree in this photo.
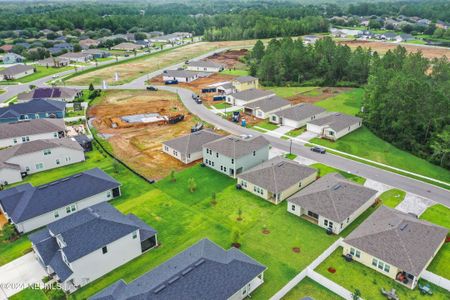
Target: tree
(441, 147)
(258, 51)
(91, 87)
(9, 232)
(56, 293)
(139, 36)
(192, 184)
(356, 294)
(374, 24)
(235, 238)
(172, 176)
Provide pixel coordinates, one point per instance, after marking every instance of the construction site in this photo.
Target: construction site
(136, 122)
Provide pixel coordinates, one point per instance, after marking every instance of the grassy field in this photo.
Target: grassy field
(41, 72)
(236, 72)
(221, 105)
(357, 276)
(392, 198)
(437, 214)
(2, 91)
(286, 92)
(348, 103)
(295, 132)
(309, 288)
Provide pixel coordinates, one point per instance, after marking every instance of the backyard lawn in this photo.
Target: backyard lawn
(348, 103)
(357, 276)
(324, 170)
(286, 92)
(222, 105)
(236, 72)
(309, 288)
(392, 198)
(265, 125)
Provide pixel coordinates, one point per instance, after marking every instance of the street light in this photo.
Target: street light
(290, 146)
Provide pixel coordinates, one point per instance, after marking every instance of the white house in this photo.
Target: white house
(40, 155)
(204, 66)
(297, 116)
(334, 125)
(180, 75)
(247, 96)
(29, 207)
(332, 202)
(30, 130)
(16, 72)
(203, 271)
(77, 56)
(88, 244)
(264, 107)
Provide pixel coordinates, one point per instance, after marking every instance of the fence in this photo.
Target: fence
(437, 280)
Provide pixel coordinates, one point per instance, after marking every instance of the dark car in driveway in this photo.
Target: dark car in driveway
(318, 149)
(151, 88)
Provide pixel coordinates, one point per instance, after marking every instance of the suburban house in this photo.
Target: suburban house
(262, 108)
(389, 36)
(180, 75)
(246, 96)
(204, 66)
(202, 271)
(37, 156)
(88, 43)
(97, 53)
(404, 37)
(233, 155)
(54, 62)
(188, 148)
(16, 72)
(29, 207)
(334, 126)
(395, 244)
(30, 130)
(276, 179)
(332, 202)
(7, 48)
(297, 116)
(224, 88)
(13, 58)
(77, 56)
(50, 93)
(243, 83)
(168, 38)
(35, 109)
(90, 243)
(61, 47)
(127, 47)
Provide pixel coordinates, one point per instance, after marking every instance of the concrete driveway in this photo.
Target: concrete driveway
(282, 130)
(307, 135)
(19, 274)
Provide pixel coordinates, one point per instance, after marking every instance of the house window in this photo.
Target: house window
(25, 139)
(299, 184)
(374, 262)
(224, 169)
(55, 134)
(27, 169)
(57, 162)
(292, 207)
(166, 148)
(47, 152)
(15, 141)
(232, 161)
(108, 194)
(68, 159)
(56, 214)
(380, 265)
(387, 268)
(330, 224)
(325, 222)
(274, 118)
(221, 168)
(105, 250)
(352, 251)
(348, 220)
(217, 154)
(134, 234)
(358, 253)
(39, 166)
(254, 153)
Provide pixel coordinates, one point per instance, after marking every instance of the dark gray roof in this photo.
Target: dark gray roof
(252, 94)
(277, 175)
(398, 239)
(333, 197)
(235, 147)
(204, 64)
(32, 107)
(269, 104)
(203, 271)
(37, 145)
(48, 93)
(336, 121)
(243, 79)
(30, 127)
(17, 69)
(75, 55)
(180, 73)
(192, 142)
(25, 201)
(300, 112)
(83, 232)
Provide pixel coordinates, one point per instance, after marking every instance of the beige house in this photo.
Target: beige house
(127, 47)
(334, 125)
(276, 179)
(297, 116)
(264, 107)
(16, 72)
(332, 202)
(395, 244)
(243, 83)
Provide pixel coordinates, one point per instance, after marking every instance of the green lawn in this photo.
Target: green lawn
(294, 133)
(41, 71)
(286, 92)
(348, 103)
(309, 288)
(2, 91)
(29, 294)
(12, 250)
(437, 214)
(72, 113)
(362, 142)
(392, 198)
(266, 125)
(324, 170)
(222, 105)
(290, 156)
(236, 72)
(357, 276)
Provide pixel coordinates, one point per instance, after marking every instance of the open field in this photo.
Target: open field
(230, 59)
(287, 92)
(310, 94)
(348, 102)
(139, 144)
(129, 71)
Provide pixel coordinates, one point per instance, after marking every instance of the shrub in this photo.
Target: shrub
(9, 232)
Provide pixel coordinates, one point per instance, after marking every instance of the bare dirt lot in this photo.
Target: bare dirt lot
(383, 47)
(230, 58)
(139, 145)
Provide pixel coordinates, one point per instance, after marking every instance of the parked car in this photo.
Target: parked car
(198, 100)
(173, 81)
(197, 127)
(318, 149)
(151, 88)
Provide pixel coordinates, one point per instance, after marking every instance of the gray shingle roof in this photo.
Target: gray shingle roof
(83, 232)
(333, 197)
(204, 64)
(25, 201)
(32, 107)
(300, 112)
(252, 94)
(236, 147)
(277, 175)
(180, 73)
(30, 127)
(17, 69)
(398, 239)
(203, 271)
(37, 145)
(192, 142)
(243, 79)
(269, 104)
(75, 55)
(336, 121)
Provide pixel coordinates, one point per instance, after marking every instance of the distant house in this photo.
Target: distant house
(7, 48)
(16, 72)
(37, 156)
(424, 22)
(232, 155)
(395, 244)
(77, 56)
(54, 62)
(180, 75)
(442, 25)
(88, 43)
(204, 66)
(128, 47)
(35, 109)
(404, 37)
(310, 39)
(63, 46)
(24, 44)
(247, 96)
(203, 271)
(51, 93)
(29, 207)
(264, 107)
(88, 244)
(297, 116)
(31, 130)
(243, 83)
(338, 34)
(98, 53)
(332, 202)
(334, 126)
(389, 36)
(276, 179)
(225, 88)
(188, 148)
(168, 38)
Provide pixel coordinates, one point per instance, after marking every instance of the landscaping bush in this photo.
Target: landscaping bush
(9, 232)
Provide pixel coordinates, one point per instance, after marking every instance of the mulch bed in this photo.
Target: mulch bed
(265, 231)
(236, 245)
(296, 250)
(331, 270)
